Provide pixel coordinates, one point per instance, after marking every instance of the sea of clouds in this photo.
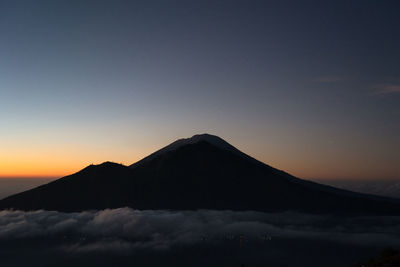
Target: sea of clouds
(125, 231)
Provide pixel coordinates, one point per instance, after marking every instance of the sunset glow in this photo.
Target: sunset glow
(84, 85)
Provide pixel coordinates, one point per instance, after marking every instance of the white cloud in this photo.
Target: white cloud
(126, 229)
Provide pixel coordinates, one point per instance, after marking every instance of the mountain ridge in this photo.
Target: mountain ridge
(195, 174)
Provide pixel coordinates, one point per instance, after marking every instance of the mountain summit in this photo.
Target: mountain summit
(201, 172)
(211, 139)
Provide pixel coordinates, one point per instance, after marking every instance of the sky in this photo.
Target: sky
(309, 87)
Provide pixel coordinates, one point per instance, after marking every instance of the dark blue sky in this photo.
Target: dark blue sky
(311, 87)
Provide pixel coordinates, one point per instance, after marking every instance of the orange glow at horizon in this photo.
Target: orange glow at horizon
(57, 167)
(53, 165)
(26, 158)
(45, 157)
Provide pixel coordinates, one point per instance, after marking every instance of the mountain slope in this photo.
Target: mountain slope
(195, 174)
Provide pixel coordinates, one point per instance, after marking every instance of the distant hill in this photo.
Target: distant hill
(202, 172)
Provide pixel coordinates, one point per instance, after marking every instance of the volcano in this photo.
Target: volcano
(201, 172)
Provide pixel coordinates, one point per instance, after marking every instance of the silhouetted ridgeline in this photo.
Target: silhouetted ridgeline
(202, 172)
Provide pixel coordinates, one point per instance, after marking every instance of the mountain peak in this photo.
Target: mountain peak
(212, 139)
(205, 137)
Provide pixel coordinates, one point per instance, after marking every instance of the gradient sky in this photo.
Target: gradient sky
(310, 87)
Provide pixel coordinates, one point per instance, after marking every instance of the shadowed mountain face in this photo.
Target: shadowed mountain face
(202, 172)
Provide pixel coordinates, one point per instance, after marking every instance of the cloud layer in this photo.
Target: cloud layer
(161, 229)
(125, 230)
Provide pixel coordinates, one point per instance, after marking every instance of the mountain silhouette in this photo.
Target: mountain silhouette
(201, 172)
